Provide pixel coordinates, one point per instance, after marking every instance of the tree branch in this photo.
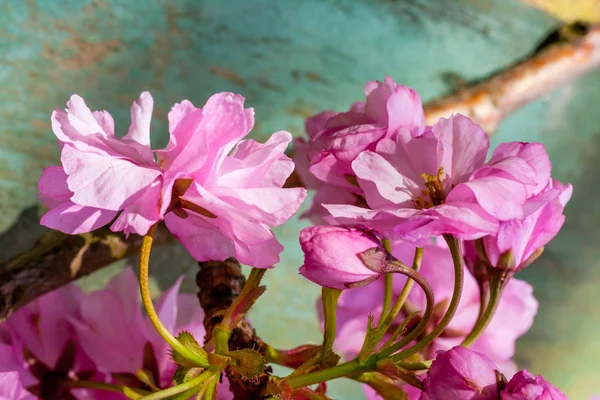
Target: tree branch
(220, 282)
(564, 55)
(57, 259)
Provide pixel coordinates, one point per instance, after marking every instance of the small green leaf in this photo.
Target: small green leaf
(184, 374)
(371, 339)
(191, 344)
(247, 362)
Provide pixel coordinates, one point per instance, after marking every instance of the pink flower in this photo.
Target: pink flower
(524, 386)
(518, 240)
(335, 139)
(461, 374)
(218, 204)
(332, 256)
(38, 343)
(514, 315)
(438, 183)
(119, 339)
(11, 387)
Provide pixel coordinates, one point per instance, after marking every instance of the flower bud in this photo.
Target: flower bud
(524, 386)
(462, 374)
(332, 256)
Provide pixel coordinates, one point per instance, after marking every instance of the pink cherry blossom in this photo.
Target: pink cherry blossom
(332, 256)
(114, 333)
(38, 343)
(521, 238)
(514, 315)
(525, 386)
(217, 193)
(438, 183)
(461, 374)
(11, 387)
(335, 139)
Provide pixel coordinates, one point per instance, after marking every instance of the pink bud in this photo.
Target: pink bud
(462, 374)
(524, 386)
(332, 256)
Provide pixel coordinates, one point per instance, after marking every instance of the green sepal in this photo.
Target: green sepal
(247, 362)
(188, 341)
(372, 338)
(184, 374)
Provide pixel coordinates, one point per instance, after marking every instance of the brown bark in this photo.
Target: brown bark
(563, 55)
(219, 284)
(57, 259)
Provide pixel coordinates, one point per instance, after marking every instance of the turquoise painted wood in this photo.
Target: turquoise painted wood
(291, 59)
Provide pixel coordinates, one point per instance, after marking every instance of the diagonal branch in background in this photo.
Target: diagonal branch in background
(564, 55)
(57, 259)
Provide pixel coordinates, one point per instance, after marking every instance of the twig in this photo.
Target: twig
(564, 55)
(57, 259)
(220, 282)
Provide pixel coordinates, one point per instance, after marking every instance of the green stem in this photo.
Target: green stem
(429, 296)
(457, 260)
(192, 383)
(221, 338)
(350, 367)
(387, 297)
(408, 285)
(211, 391)
(244, 301)
(151, 311)
(99, 386)
(415, 366)
(485, 318)
(329, 298)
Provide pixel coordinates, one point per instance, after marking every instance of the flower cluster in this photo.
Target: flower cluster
(414, 182)
(217, 193)
(398, 203)
(394, 191)
(54, 347)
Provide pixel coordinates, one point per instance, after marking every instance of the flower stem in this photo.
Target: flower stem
(387, 298)
(329, 299)
(412, 274)
(350, 367)
(244, 301)
(236, 311)
(457, 260)
(100, 386)
(496, 287)
(192, 383)
(389, 287)
(151, 311)
(405, 290)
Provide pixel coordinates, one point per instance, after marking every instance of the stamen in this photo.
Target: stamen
(435, 188)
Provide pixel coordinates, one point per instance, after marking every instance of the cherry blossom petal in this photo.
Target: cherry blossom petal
(74, 219)
(141, 116)
(52, 186)
(104, 182)
(465, 146)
